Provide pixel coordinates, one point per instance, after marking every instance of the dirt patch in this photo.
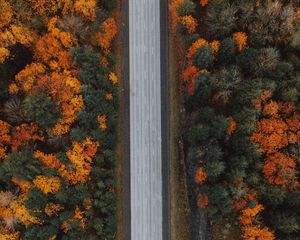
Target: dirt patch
(119, 50)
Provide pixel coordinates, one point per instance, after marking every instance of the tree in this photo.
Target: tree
(220, 18)
(21, 165)
(251, 229)
(173, 10)
(190, 23)
(25, 133)
(6, 13)
(225, 82)
(203, 58)
(273, 24)
(86, 8)
(187, 8)
(195, 46)
(278, 131)
(240, 39)
(47, 184)
(107, 34)
(203, 3)
(5, 138)
(220, 202)
(200, 175)
(280, 169)
(41, 109)
(227, 51)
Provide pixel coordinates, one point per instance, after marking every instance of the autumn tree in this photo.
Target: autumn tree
(189, 23)
(240, 39)
(250, 225)
(107, 34)
(5, 138)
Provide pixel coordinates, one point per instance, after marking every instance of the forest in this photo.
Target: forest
(58, 119)
(239, 78)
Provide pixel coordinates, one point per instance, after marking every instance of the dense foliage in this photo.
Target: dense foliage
(241, 82)
(58, 119)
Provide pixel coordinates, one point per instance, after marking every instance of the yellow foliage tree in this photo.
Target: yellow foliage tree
(6, 13)
(87, 8)
(78, 216)
(4, 53)
(5, 234)
(47, 184)
(107, 34)
(14, 211)
(113, 78)
(80, 157)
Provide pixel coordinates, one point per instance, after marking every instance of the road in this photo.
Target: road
(145, 120)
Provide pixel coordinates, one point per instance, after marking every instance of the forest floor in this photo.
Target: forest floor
(180, 209)
(225, 230)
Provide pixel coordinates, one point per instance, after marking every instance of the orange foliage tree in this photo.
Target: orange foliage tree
(87, 8)
(15, 137)
(173, 11)
(200, 175)
(241, 40)
(190, 23)
(195, 46)
(5, 138)
(190, 72)
(203, 3)
(232, 126)
(279, 127)
(25, 133)
(281, 169)
(251, 229)
(113, 78)
(107, 34)
(215, 46)
(102, 122)
(276, 132)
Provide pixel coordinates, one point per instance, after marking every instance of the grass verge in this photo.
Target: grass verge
(180, 209)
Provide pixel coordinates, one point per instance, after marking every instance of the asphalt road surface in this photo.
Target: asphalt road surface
(145, 120)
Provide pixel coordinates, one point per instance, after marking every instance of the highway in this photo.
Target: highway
(145, 120)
